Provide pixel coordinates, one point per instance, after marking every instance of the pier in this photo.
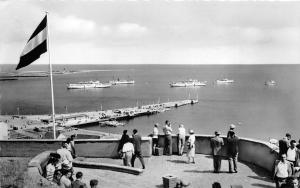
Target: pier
(20, 124)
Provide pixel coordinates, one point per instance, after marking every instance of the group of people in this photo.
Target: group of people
(216, 145)
(130, 148)
(167, 129)
(287, 168)
(59, 168)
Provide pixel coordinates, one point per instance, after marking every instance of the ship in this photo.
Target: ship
(225, 81)
(89, 84)
(188, 83)
(118, 81)
(270, 83)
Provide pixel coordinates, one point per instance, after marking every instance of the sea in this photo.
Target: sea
(258, 111)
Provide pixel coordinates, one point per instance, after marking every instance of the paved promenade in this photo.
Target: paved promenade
(199, 175)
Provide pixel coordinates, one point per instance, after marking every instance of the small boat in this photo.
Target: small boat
(270, 83)
(225, 81)
(110, 124)
(188, 83)
(116, 82)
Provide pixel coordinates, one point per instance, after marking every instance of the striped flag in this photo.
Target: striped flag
(36, 45)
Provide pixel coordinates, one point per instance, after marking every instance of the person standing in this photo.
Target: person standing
(155, 136)
(191, 147)
(292, 153)
(233, 149)
(122, 142)
(65, 181)
(216, 145)
(231, 128)
(181, 139)
(128, 151)
(283, 169)
(284, 144)
(168, 138)
(94, 183)
(137, 140)
(78, 182)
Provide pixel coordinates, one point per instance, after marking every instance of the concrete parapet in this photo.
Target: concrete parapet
(107, 166)
(253, 151)
(84, 148)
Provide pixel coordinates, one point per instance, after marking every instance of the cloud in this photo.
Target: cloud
(134, 29)
(73, 25)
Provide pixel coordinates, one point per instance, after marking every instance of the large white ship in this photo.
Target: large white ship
(89, 84)
(188, 83)
(225, 81)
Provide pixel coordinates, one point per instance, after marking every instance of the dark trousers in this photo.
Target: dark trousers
(232, 162)
(279, 181)
(217, 163)
(168, 145)
(137, 154)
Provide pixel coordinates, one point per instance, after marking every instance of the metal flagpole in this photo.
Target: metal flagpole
(51, 80)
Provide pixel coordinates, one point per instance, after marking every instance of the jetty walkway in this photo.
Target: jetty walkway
(29, 122)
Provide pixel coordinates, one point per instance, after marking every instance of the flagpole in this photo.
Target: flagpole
(51, 79)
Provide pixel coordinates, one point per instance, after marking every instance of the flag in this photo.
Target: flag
(36, 45)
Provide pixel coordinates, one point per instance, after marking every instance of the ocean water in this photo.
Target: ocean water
(259, 111)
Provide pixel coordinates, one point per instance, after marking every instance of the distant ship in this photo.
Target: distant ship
(270, 83)
(118, 81)
(89, 84)
(188, 83)
(225, 81)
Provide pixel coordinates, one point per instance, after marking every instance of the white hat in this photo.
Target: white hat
(191, 131)
(232, 126)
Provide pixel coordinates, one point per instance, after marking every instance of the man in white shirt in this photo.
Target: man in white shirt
(65, 156)
(128, 151)
(181, 139)
(283, 169)
(291, 154)
(155, 136)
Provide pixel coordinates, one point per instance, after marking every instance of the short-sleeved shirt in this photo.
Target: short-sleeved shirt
(155, 132)
(181, 131)
(128, 147)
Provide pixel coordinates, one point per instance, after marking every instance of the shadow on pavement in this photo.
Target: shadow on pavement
(177, 161)
(206, 171)
(262, 185)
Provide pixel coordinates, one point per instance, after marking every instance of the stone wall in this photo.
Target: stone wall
(252, 151)
(84, 148)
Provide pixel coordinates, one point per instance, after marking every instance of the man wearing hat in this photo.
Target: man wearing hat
(216, 145)
(231, 129)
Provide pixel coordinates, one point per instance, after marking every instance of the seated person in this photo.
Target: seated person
(66, 158)
(50, 168)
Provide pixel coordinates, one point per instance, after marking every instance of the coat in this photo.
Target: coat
(232, 146)
(137, 141)
(216, 144)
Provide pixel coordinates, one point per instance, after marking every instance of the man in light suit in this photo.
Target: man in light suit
(216, 145)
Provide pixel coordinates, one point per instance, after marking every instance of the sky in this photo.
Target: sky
(155, 31)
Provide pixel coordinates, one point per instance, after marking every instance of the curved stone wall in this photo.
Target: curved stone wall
(252, 151)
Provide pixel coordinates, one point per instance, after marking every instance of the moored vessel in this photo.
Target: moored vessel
(225, 81)
(188, 83)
